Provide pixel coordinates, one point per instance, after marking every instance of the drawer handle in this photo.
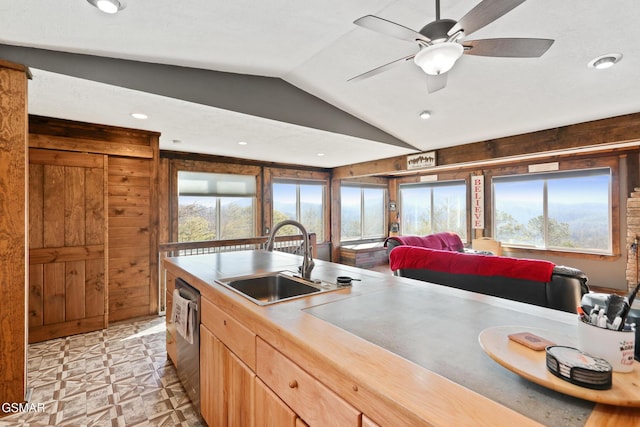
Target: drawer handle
(224, 322)
(293, 384)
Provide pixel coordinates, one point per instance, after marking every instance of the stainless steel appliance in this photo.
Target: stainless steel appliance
(189, 353)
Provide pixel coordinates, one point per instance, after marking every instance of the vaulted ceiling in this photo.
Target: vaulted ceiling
(210, 73)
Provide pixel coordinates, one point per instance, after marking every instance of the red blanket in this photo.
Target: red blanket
(447, 241)
(402, 257)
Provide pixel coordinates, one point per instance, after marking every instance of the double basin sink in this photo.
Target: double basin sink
(270, 288)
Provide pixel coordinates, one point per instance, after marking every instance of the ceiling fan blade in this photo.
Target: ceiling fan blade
(381, 69)
(436, 82)
(507, 47)
(389, 28)
(483, 14)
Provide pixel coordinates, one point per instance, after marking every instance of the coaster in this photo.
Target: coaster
(579, 368)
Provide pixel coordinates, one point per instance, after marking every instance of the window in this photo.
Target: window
(567, 211)
(300, 201)
(215, 206)
(429, 208)
(363, 213)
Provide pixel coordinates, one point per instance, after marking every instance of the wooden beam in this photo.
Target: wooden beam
(13, 228)
(601, 132)
(84, 145)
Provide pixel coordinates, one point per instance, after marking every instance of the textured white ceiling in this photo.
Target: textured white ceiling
(316, 47)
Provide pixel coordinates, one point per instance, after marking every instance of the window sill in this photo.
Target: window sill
(508, 250)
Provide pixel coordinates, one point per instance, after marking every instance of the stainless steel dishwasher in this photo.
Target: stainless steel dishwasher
(189, 353)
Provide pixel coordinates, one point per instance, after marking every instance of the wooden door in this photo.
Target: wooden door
(67, 243)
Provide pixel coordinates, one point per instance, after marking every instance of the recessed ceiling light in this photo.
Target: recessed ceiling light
(320, 154)
(242, 143)
(424, 115)
(108, 6)
(605, 61)
(139, 116)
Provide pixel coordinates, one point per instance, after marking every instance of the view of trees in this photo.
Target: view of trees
(509, 230)
(300, 202)
(448, 212)
(577, 213)
(585, 230)
(198, 218)
(362, 213)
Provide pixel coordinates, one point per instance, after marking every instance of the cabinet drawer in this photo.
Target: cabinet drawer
(232, 333)
(311, 400)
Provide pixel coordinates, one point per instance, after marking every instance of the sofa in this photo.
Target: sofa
(531, 281)
(446, 241)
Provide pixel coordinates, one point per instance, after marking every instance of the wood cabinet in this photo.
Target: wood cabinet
(316, 404)
(231, 332)
(246, 382)
(226, 381)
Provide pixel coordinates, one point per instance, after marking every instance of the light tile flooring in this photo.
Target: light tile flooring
(114, 377)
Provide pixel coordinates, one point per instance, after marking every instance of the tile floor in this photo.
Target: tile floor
(116, 377)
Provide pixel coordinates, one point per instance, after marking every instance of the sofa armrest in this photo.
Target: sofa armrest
(391, 243)
(566, 288)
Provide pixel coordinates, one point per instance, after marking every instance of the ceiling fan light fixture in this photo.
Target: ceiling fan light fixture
(605, 61)
(438, 58)
(108, 6)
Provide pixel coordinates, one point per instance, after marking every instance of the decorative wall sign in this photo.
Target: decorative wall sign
(477, 201)
(421, 160)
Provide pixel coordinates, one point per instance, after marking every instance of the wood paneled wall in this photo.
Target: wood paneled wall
(133, 240)
(13, 230)
(132, 205)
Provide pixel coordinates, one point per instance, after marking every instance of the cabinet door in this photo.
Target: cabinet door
(226, 385)
(212, 353)
(270, 410)
(239, 383)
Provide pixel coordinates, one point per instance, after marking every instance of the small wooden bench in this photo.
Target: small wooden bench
(364, 255)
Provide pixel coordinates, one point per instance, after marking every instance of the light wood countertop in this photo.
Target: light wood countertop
(401, 351)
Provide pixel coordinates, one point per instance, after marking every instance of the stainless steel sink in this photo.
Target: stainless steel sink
(271, 288)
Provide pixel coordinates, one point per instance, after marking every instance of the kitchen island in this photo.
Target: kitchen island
(386, 351)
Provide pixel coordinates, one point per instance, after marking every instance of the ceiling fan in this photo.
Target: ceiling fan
(442, 42)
